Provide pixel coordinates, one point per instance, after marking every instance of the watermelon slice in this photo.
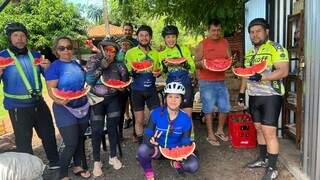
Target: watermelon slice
(4, 62)
(141, 66)
(175, 61)
(70, 95)
(115, 83)
(178, 153)
(221, 64)
(250, 71)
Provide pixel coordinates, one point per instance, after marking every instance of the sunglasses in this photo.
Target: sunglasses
(63, 48)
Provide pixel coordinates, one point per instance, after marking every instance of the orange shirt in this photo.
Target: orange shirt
(213, 49)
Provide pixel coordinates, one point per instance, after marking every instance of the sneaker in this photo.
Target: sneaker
(258, 163)
(115, 162)
(271, 174)
(149, 175)
(97, 171)
(177, 166)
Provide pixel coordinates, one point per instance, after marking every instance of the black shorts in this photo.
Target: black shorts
(139, 98)
(188, 97)
(265, 109)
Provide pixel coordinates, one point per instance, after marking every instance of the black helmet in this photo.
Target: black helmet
(126, 39)
(258, 21)
(111, 41)
(145, 28)
(13, 27)
(170, 30)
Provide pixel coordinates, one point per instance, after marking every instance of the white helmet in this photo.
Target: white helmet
(174, 87)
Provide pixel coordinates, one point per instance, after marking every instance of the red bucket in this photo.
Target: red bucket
(242, 131)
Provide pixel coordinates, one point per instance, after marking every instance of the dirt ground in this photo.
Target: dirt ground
(216, 163)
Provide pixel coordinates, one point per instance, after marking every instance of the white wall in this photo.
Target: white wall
(253, 9)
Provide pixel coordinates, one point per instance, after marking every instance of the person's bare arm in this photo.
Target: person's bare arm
(281, 71)
(53, 84)
(199, 57)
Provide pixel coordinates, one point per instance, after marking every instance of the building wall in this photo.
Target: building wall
(253, 9)
(311, 140)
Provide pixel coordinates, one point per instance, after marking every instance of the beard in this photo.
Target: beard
(259, 43)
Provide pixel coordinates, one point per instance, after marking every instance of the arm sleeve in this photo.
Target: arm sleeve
(93, 70)
(190, 61)
(123, 72)
(52, 73)
(149, 131)
(280, 54)
(128, 61)
(186, 134)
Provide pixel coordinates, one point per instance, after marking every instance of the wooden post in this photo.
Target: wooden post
(105, 16)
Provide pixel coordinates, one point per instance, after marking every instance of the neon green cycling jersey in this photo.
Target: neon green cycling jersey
(175, 53)
(273, 53)
(137, 55)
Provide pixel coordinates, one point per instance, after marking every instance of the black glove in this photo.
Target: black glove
(256, 77)
(241, 98)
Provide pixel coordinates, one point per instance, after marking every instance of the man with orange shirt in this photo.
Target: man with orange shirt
(213, 91)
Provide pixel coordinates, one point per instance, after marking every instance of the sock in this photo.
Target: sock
(263, 151)
(272, 160)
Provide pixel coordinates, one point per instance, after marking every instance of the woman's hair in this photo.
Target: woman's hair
(56, 42)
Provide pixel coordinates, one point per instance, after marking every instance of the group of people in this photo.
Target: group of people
(169, 125)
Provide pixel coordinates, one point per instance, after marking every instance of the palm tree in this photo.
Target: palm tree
(95, 13)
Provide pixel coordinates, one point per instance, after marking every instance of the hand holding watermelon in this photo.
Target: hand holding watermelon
(43, 62)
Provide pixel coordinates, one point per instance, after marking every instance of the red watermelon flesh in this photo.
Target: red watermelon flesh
(70, 95)
(250, 71)
(115, 83)
(178, 153)
(220, 64)
(142, 66)
(175, 61)
(4, 62)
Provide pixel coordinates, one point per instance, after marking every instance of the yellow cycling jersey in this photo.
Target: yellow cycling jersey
(273, 53)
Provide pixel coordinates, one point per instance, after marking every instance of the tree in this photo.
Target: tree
(45, 20)
(95, 13)
(193, 15)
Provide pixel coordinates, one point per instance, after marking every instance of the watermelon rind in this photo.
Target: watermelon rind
(70, 95)
(172, 153)
(218, 69)
(4, 62)
(175, 61)
(106, 83)
(256, 68)
(133, 65)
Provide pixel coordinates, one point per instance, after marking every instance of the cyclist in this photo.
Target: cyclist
(265, 92)
(170, 127)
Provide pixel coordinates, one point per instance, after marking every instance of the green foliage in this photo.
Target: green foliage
(45, 20)
(193, 15)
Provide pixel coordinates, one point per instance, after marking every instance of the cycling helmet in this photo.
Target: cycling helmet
(110, 41)
(145, 28)
(174, 87)
(258, 21)
(170, 30)
(13, 27)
